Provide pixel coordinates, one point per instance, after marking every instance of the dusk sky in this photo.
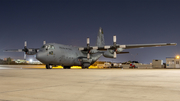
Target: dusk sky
(70, 22)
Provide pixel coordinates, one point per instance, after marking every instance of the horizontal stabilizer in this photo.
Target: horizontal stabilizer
(149, 45)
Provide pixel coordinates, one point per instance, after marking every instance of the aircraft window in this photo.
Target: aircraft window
(51, 52)
(51, 47)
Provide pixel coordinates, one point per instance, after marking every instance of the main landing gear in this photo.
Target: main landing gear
(67, 67)
(85, 67)
(48, 66)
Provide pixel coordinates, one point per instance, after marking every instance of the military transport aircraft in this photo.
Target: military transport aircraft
(53, 54)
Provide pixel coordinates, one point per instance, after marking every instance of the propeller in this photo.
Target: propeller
(114, 46)
(25, 49)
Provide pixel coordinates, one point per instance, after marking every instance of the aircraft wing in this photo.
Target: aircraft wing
(13, 50)
(127, 46)
(148, 45)
(22, 50)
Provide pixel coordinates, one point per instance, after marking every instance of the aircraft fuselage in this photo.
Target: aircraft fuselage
(64, 55)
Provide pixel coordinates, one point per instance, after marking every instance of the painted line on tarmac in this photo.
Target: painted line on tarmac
(5, 68)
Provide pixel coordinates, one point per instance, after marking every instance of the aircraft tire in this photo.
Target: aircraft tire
(48, 66)
(67, 67)
(85, 67)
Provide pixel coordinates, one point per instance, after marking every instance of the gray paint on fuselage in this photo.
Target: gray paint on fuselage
(63, 55)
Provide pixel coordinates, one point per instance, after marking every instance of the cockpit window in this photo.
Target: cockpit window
(48, 47)
(51, 47)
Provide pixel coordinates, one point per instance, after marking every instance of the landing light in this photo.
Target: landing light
(30, 60)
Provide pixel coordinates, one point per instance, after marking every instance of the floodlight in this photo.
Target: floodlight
(177, 57)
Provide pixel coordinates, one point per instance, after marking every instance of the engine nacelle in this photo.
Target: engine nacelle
(31, 53)
(86, 65)
(109, 54)
(93, 51)
(81, 61)
(119, 50)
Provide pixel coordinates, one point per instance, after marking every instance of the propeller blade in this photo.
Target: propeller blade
(114, 41)
(19, 50)
(25, 44)
(24, 56)
(81, 48)
(107, 47)
(30, 50)
(114, 38)
(88, 41)
(115, 54)
(88, 55)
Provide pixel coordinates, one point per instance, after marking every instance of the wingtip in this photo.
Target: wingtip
(172, 44)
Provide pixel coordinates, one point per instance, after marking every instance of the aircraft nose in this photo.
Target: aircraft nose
(40, 56)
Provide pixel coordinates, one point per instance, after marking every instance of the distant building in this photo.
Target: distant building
(5, 59)
(157, 64)
(172, 62)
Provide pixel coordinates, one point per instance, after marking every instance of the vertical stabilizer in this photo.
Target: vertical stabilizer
(100, 38)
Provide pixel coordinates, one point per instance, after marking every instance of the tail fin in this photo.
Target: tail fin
(100, 38)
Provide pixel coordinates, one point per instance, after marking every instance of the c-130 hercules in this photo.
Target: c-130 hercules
(53, 54)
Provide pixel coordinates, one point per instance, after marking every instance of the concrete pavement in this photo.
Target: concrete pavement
(89, 85)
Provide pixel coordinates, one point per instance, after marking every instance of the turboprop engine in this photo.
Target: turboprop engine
(93, 51)
(109, 54)
(119, 50)
(31, 52)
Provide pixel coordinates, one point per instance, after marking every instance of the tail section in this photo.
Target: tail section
(100, 38)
